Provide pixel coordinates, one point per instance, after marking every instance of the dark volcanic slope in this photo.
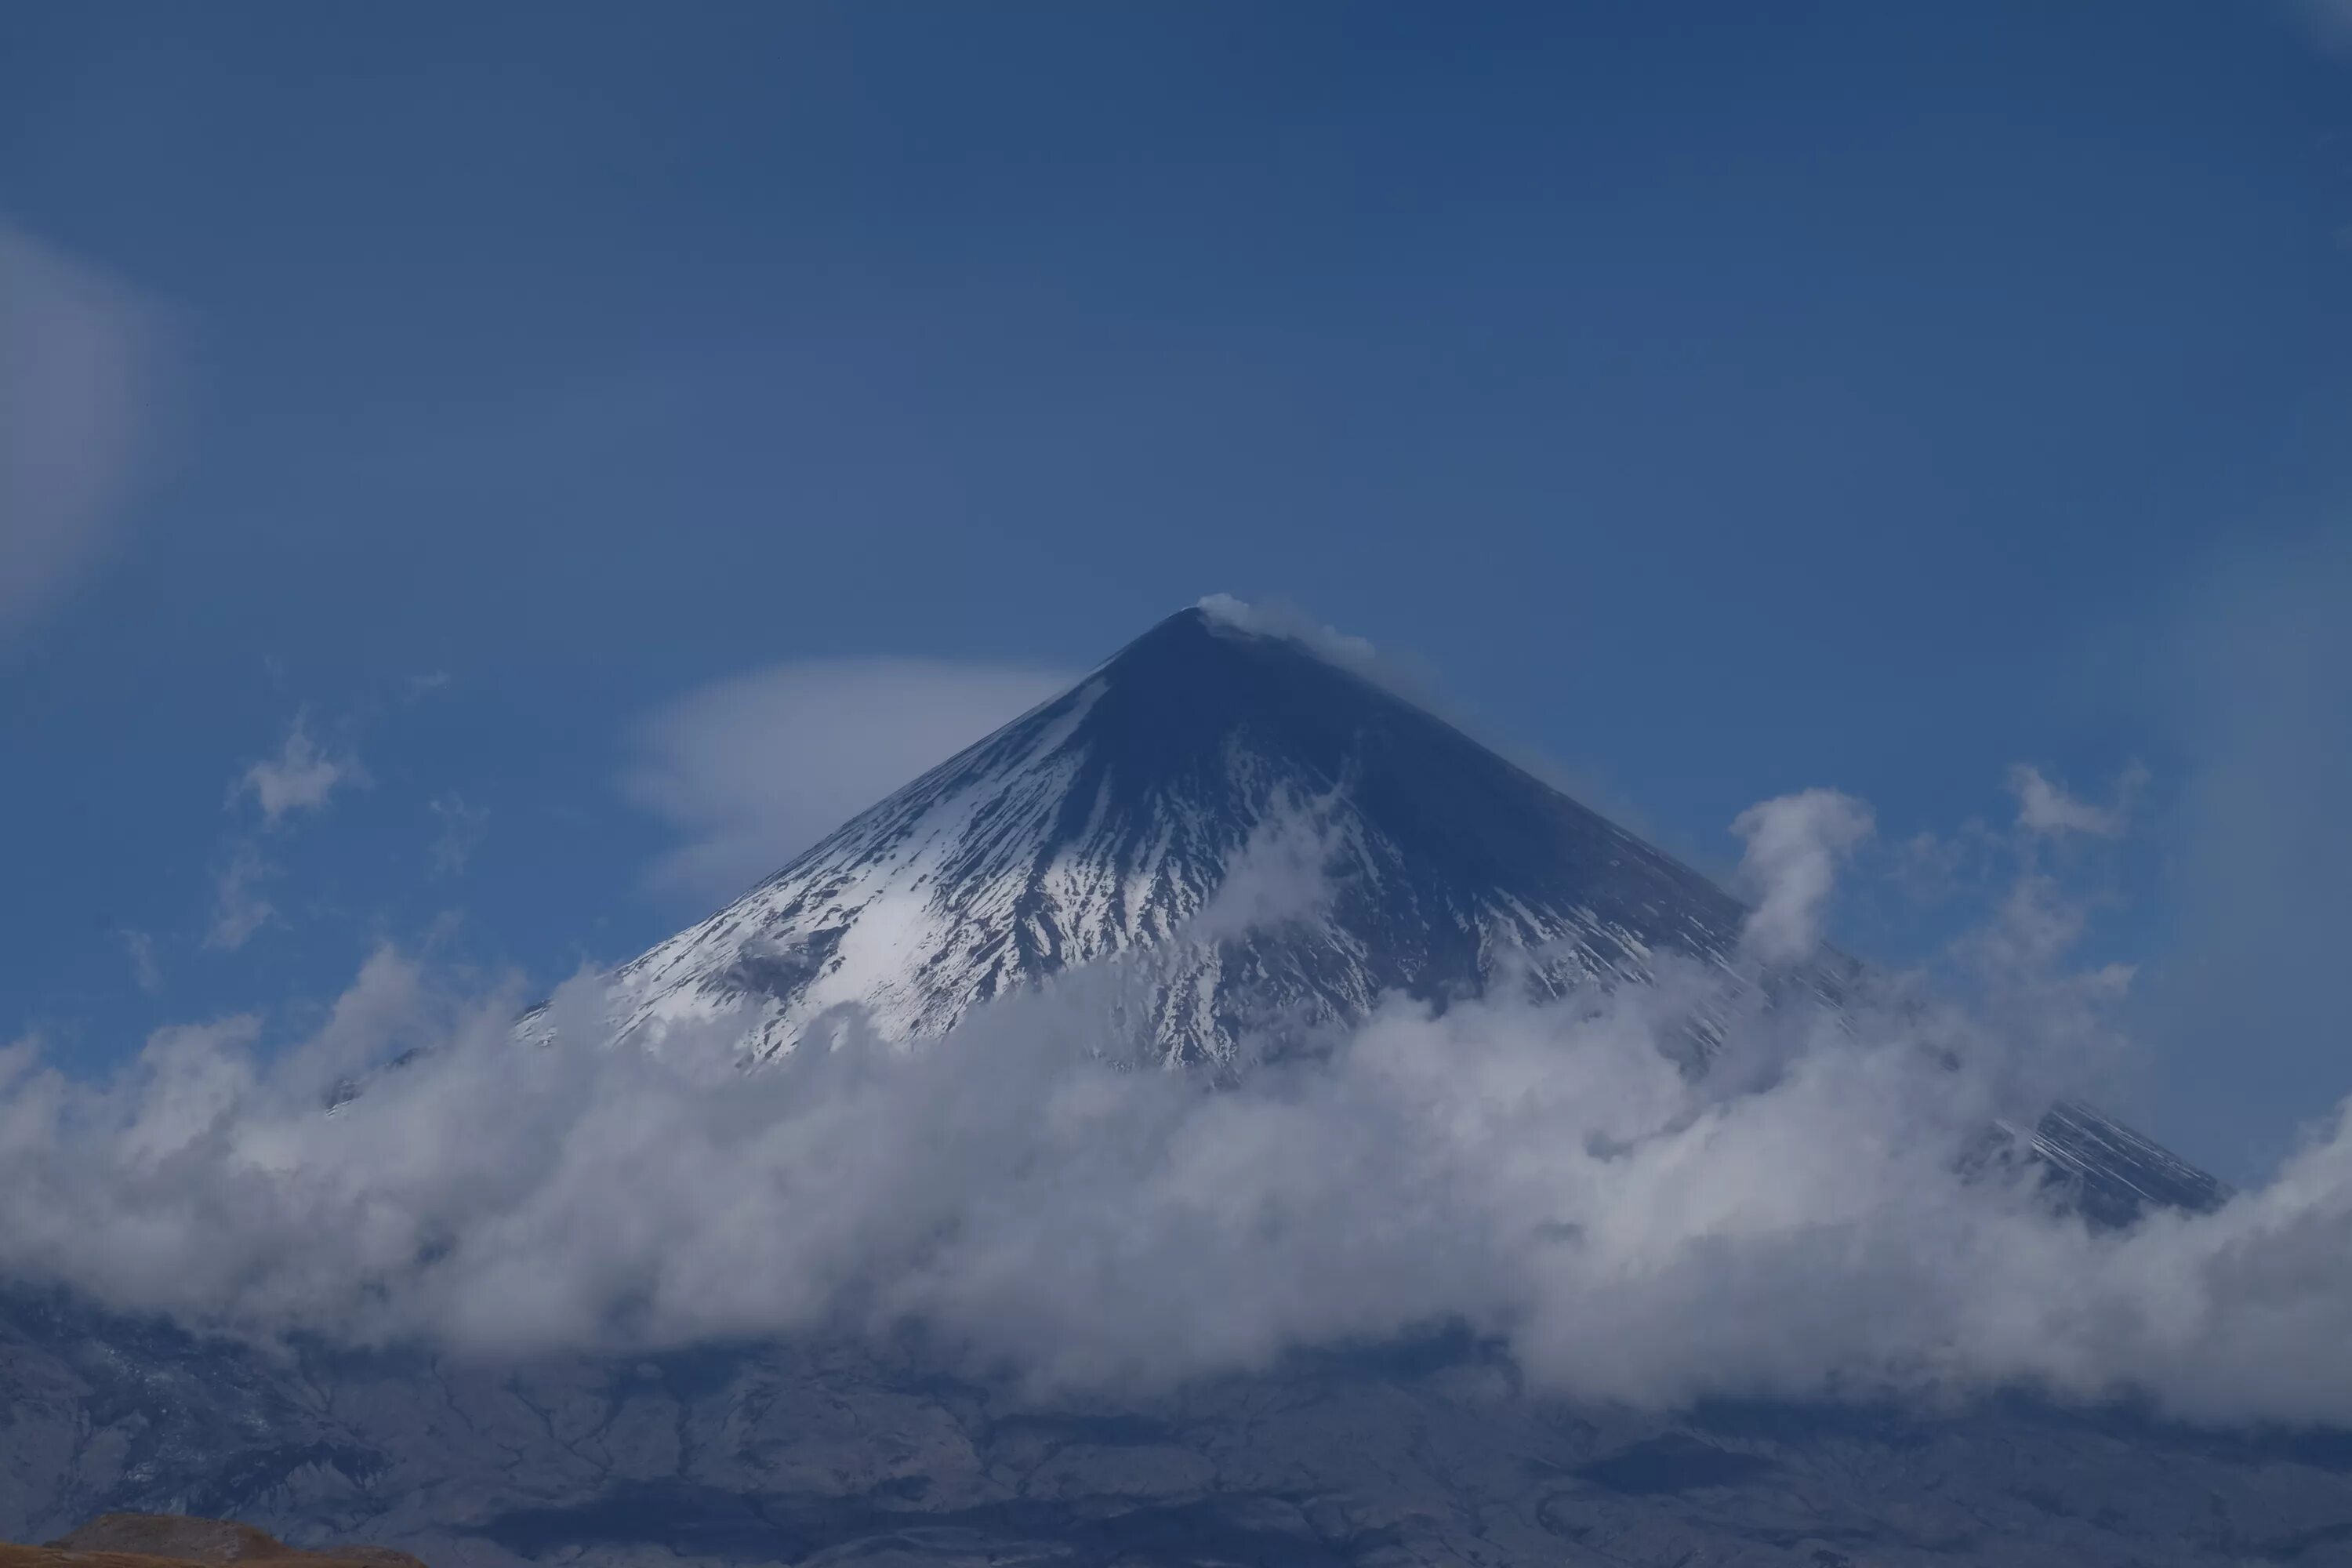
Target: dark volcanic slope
(1111, 819)
(1107, 820)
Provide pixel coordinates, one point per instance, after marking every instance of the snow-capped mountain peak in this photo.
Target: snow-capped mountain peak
(1110, 819)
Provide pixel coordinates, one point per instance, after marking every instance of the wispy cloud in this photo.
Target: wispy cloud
(462, 828)
(238, 907)
(1271, 618)
(2329, 21)
(420, 687)
(79, 356)
(754, 769)
(1796, 844)
(144, 969)
(2045, 807)
(1400, 674)
(301, 777)
(2249, 1002)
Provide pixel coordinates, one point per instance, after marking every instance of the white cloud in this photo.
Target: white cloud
(1282, 873)
(2046, 808)
(1795, 845)
(754, 769)
(79, 363)
(300, 777)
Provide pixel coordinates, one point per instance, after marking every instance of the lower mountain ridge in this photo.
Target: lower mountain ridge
(1430, 1452)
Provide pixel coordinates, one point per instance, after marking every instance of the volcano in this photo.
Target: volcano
(1163, 806)
(1255, 827)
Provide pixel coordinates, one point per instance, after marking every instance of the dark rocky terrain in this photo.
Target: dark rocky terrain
(1107, 821)
(1431, 1453)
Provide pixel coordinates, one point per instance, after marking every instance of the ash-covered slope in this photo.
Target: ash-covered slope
(1114, 818)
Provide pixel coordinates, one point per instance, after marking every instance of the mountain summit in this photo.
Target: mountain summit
(1213, 765)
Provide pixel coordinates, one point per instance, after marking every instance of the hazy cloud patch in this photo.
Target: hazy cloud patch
(144, 969)
(301, 777)
(2246, 1003)
(1273, 618)
(2045, 807)
(239, 908)
(1404, 676)
(80, 362)
(2329, 21)
(462, 830)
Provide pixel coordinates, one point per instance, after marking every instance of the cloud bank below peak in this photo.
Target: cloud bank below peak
(1539, 1171)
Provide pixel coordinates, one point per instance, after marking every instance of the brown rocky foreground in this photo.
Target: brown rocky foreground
(176, 1541)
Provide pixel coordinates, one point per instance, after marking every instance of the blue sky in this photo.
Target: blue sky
(466, 417)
